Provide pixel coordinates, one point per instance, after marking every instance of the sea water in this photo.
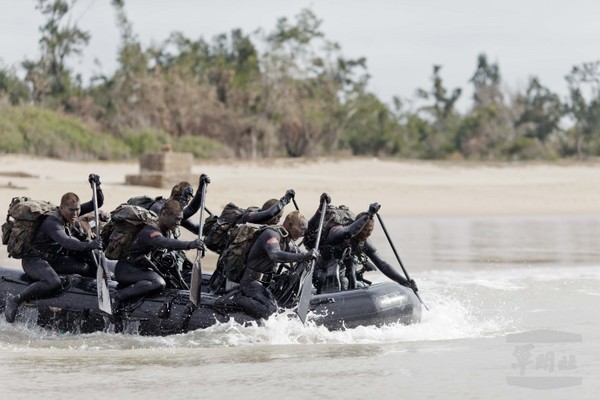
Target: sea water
(514, 313)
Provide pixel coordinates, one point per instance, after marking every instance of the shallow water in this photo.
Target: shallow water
(485, 280)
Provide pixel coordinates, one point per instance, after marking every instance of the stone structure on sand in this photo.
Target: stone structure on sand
(163, 169)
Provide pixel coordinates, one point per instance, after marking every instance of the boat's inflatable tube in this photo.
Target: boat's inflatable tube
(75, 309)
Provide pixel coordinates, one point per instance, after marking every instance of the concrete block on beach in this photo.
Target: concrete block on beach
(163, 169)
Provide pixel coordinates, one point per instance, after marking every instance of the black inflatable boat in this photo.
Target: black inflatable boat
(75, 309)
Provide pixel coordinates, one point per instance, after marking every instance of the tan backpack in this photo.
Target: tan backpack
(22, 223)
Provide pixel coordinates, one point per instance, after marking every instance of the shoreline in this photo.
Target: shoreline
(405, 189)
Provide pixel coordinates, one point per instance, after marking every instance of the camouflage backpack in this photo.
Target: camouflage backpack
(334, 216)
(143, 201)
(22, 223)
(126, 221)
(242, 237)
(216, 228)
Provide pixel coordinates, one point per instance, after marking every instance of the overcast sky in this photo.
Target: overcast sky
(401, 39)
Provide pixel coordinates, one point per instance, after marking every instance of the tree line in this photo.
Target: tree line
(289, 92)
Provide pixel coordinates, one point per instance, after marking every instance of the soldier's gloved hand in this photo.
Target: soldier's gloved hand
(93, 178)
(204, 179)
(197, 244)
(313, 254)
(373, 209)
(413, 285)
(325, 198)
(95, 244)
(289, 195)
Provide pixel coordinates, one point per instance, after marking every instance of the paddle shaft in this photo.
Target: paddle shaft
(102, 273)
(195, 284)
(306, 284)
(321, 222)
(202, 208)
(96, 213)
(387, 235)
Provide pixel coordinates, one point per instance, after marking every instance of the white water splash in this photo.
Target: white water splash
(462, 305)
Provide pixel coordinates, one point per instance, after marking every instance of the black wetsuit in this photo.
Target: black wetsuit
(262, 217)
(269, 249)
(137, 277)
(59, 249)
(339, 252)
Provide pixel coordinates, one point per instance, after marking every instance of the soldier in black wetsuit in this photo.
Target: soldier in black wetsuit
(271, 247)
(59, 248)
(341, 246)
(137, 274)
(183, 192)
(269, 214)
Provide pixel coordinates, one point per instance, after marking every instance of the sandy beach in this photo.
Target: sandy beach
(403, 188)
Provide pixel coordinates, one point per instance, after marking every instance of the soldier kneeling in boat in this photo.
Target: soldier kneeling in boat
(276, 244)
(218, 238)
(59, 247)
(138, 273)
(345, 244)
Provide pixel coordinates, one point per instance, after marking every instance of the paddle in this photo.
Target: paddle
(398, 258)
(101, 268)
(306, 279)
(196, 283)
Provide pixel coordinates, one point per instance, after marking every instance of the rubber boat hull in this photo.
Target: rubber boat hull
(75, 309)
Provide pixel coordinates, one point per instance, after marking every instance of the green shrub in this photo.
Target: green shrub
(202, 147)
(41, 132)
(140, 142)
(11, 140)
(526, 148)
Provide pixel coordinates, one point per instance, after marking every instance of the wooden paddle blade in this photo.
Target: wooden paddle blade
(102, 286)
(305, 293)
(196, 281)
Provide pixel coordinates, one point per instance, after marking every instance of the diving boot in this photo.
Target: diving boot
(11, 306)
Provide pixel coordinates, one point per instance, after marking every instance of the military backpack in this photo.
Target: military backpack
(144, 201)
(334, 216)
(216, 228)
(235, 255)
(22, 223)
(126, 222)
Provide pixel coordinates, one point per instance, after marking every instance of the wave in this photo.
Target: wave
(449, 318)
(463, 305)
